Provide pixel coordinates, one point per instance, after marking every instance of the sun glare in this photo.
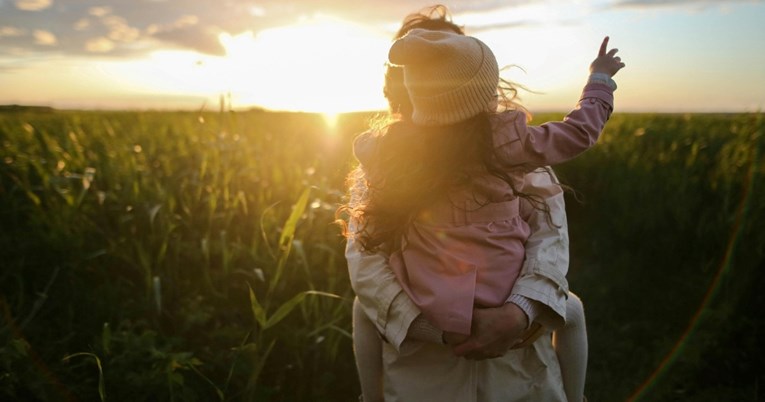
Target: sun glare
(326, 65)
(552, 53)
(320, 65)
(331, 120)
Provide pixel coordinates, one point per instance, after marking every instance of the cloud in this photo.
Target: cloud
(99, 11)
(83, 27)
(44, 38)
(186, 20)
(120, 30)
(508, 25)
(99, 45)
(33, 5)
(118, 27)
(258, 11)
(200, 38)
(695, 4)
(81, 24)
(9, 31)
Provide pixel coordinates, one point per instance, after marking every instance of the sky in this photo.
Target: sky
(328, 56)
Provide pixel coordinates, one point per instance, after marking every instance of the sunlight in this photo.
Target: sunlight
(320, 64)
(171, 72)
(552, 53)
(326, 65)
(554, 63)
(331, 120)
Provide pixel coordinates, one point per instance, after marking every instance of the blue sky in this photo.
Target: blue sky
(691, 55)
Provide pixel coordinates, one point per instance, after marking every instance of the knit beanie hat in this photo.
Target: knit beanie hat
(449, 77)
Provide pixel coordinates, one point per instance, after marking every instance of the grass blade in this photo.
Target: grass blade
(257, 310)
(288, 234)
(101, 385)
(290, 305)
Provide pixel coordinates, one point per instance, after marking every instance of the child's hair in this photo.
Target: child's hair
(416, 165)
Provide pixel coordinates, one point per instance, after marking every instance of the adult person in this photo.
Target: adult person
(489, 371)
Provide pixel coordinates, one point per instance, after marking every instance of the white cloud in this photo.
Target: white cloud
(119, 30)
(9, 31)
(81, 24)
(99, 11)
(186, 20)
(44, 38)
(196, 24)
(33, 5)
(257, 11)
(124, 33)
(675, 3)
(99, 45)
(152, 29)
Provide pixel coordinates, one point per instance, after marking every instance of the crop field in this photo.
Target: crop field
(181, 256)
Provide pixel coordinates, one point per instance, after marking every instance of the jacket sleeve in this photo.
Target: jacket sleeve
(543, 275)
(380, 295)
(555, 142)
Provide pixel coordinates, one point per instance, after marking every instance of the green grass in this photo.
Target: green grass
(179, 256)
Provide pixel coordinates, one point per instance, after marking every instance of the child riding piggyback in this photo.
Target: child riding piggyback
(443, 188)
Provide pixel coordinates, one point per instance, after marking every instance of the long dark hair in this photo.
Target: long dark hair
(416, 166)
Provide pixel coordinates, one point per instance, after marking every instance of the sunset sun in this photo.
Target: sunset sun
(318, 65)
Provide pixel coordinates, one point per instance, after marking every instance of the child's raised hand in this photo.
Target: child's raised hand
(606, 63)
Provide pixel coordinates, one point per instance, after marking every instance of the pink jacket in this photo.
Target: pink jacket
(460, 253)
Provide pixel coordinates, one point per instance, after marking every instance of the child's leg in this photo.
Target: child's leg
(367, 347)
(571, 347)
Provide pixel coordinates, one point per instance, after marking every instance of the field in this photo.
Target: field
(191, 256)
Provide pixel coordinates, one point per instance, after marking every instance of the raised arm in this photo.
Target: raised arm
(555, 142)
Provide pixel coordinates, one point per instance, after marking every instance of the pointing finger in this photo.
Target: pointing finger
(603, 47)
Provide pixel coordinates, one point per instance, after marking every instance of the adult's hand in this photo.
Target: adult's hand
(494, 332)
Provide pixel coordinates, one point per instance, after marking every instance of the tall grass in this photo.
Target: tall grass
(179, 234)
(187, 256)
(667, 249)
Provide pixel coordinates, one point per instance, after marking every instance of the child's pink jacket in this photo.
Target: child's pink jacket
(467, 250)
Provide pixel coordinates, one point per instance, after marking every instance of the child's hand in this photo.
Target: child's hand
(606, 63)
(453, 338)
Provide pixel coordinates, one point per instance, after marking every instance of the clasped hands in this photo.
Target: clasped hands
(494, 331)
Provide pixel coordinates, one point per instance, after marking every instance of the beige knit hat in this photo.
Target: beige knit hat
(449, 77)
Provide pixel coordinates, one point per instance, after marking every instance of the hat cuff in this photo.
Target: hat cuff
(463, 102)
(451, 107)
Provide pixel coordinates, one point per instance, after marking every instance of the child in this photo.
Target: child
(443, 190)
